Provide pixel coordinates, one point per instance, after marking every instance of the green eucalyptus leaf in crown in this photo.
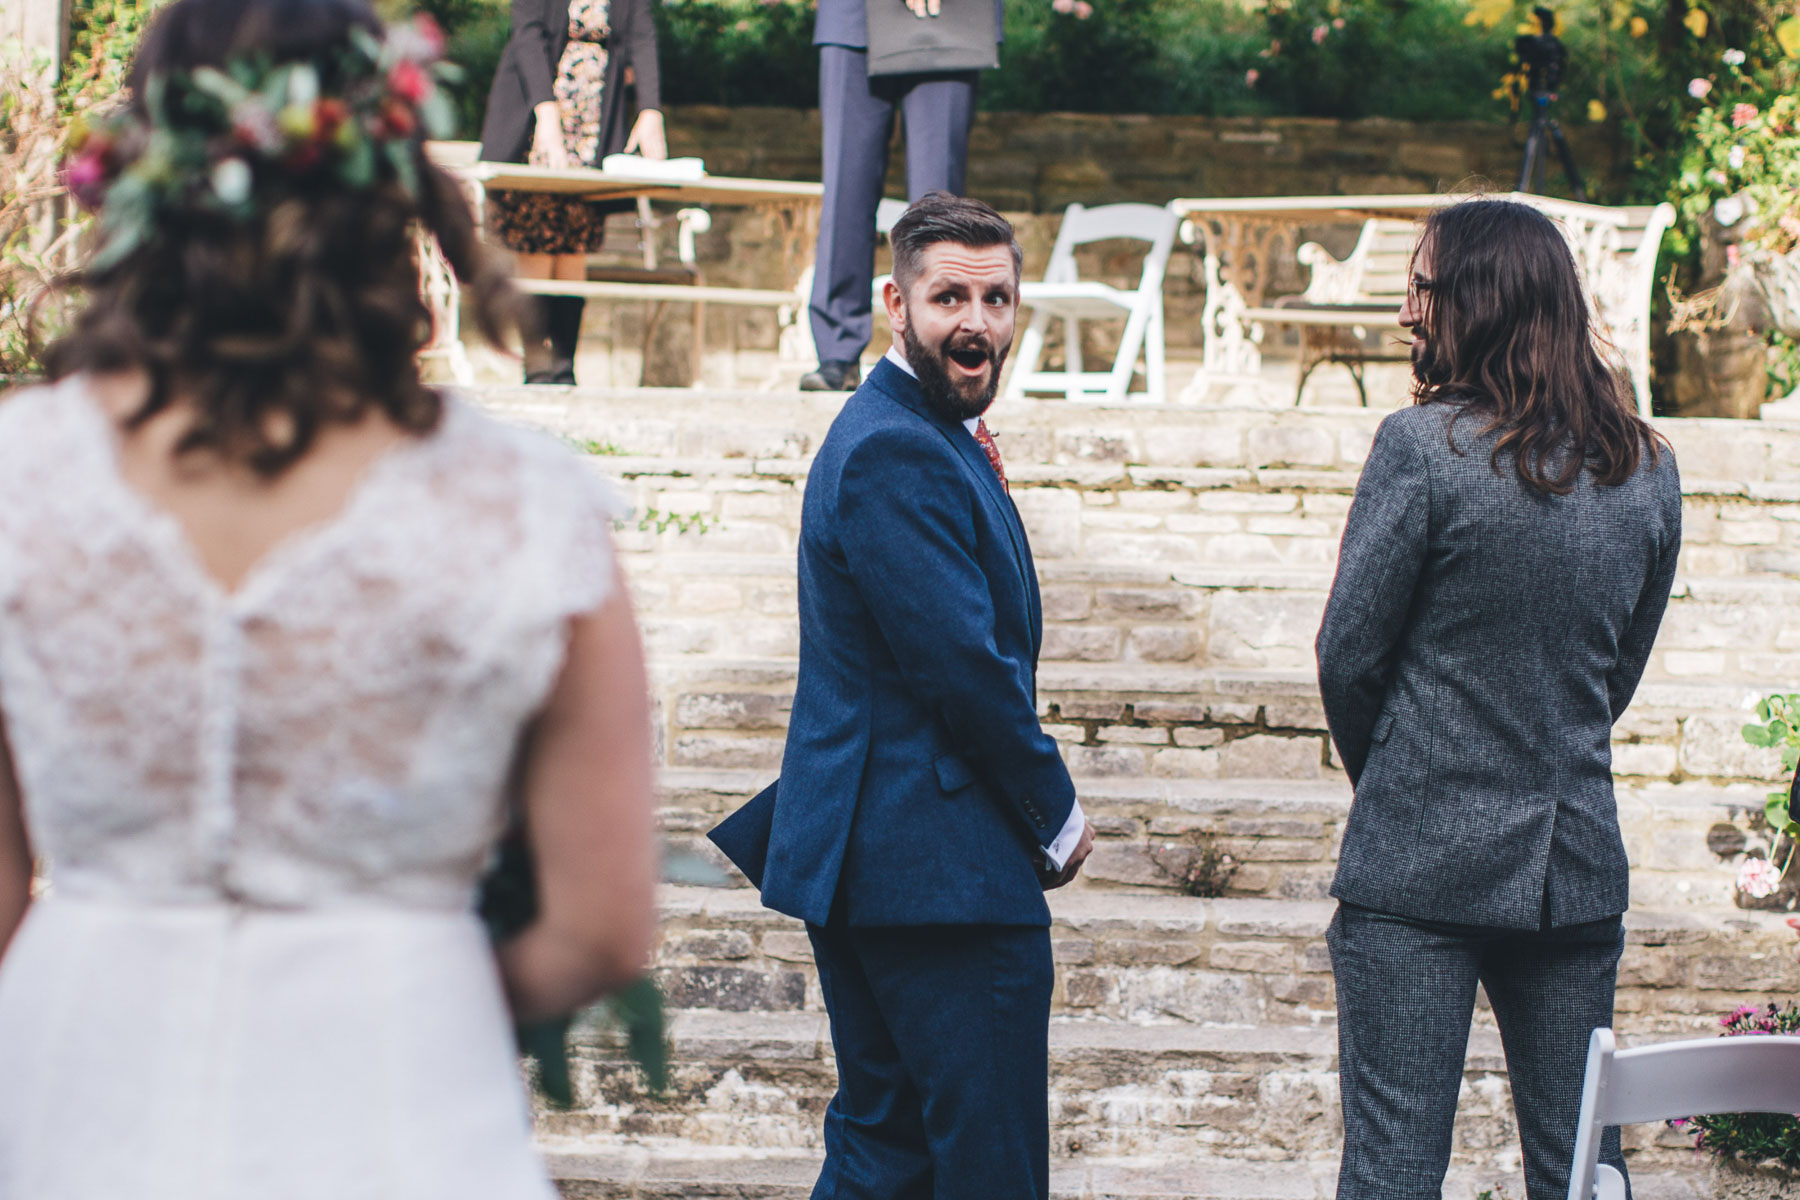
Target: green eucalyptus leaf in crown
(237, 140)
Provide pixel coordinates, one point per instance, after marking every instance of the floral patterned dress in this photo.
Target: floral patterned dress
(535, 223)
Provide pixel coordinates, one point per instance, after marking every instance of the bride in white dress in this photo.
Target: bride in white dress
(282, 635)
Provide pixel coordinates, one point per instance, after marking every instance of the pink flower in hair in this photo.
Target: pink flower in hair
(85, 177)
(408, 81)
(431, 32)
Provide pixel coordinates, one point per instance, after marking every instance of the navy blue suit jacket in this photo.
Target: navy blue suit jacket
(917, 783)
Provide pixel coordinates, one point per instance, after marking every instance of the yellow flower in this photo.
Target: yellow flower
(1639, 27)
(1488, 13)
(1696, 22)
(1788, 34)
(1596, 111)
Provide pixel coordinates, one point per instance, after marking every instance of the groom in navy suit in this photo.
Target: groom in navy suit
(921, 810)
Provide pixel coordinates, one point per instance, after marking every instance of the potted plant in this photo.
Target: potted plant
(1755, 1156)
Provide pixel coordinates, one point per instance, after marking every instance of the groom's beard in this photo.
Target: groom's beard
(956, 399)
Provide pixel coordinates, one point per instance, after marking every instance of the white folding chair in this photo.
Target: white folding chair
(1676, 1079)
(1063, 294)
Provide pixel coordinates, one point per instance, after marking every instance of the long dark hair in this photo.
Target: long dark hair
(1506, 332)
(302, 314)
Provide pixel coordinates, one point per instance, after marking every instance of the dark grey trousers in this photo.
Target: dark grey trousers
(1406, 996)
(858, 118)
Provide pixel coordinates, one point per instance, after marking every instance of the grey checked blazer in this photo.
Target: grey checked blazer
(1480, 641)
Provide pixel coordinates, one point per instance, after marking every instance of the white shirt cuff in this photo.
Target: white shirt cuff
(1058, 852)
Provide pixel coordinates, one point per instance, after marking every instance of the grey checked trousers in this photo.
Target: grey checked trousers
(1406, 996)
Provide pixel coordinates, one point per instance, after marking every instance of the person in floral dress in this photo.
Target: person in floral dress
(558, 100)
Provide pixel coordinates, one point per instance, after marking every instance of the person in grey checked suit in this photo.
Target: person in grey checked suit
(1504, 569)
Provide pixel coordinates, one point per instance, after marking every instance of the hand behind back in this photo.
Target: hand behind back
(1072, 868)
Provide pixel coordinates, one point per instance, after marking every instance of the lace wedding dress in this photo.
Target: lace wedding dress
(257, 975)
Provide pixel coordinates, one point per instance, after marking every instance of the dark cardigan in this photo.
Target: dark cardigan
(527, 73)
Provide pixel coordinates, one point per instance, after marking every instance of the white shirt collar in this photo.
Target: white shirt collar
(899, 360)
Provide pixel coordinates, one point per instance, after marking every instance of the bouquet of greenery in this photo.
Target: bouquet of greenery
(508, 903)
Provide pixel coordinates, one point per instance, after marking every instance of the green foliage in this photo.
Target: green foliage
(1150, 56)
(1406, 59)
(738, 52)
(655, 520)
(103, 34)
(1752, 1137)
(1779, 728)
(1743, 149)
(1386, 58)
(475, 33)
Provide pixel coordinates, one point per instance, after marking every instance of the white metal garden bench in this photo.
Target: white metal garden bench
(1615, 249)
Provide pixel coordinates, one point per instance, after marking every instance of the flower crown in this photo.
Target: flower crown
(231, 140)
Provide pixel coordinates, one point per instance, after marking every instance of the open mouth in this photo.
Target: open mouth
(970, 359)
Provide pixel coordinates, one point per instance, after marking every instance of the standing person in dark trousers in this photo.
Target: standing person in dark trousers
(558, 100)
(1504, 569)
(857, 112)
(922, 810)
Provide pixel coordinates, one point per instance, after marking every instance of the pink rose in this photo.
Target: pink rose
(1337, 22)
(1083, 10)
(1699, 88)
(1742, 115)
(1251, 76)
(1757, 878)
(1320, 33)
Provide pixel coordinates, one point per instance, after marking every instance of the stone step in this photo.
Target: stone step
(1146, 957)
(1116, 719)
(760, 1082)
(1283, 833)
(688, 1172)
(1121, 720)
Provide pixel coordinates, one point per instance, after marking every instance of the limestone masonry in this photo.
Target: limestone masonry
(1185, 555)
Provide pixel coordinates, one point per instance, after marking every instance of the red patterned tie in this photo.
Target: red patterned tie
(993, 452)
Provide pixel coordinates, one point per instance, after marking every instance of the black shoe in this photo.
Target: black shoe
(563, 322)
(833, 375)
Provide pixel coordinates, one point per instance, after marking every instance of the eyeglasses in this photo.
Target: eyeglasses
(1421, 285)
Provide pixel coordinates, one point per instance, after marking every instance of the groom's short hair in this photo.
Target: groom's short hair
(943, 217)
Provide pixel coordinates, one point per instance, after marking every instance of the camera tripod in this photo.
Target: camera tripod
(1544, 132)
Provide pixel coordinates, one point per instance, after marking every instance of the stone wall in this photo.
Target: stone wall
(1042, 162)
(1032, 166)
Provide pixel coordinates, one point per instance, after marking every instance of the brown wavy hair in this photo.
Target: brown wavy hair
(306, 313)
(1506, 333)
